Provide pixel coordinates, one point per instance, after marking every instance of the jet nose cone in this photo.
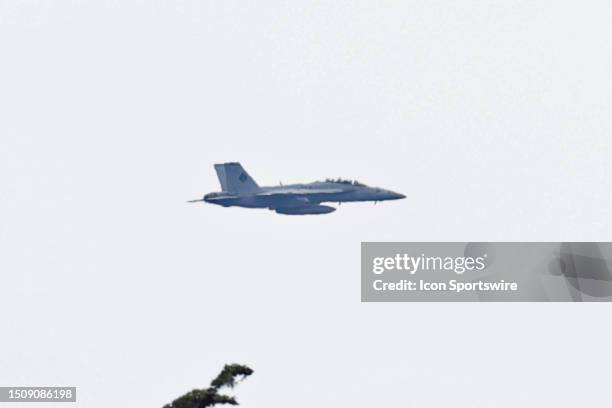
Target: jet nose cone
(395, 196)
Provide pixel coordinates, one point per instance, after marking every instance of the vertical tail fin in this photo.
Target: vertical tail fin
(234, 179)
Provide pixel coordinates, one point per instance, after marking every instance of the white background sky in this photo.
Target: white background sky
(494, 118)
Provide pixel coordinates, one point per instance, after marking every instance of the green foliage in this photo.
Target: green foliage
(208, 397)
(227, 377)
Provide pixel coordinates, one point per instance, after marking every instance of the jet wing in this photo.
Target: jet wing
(297, 191)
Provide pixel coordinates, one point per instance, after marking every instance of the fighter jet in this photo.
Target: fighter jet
(238, 189)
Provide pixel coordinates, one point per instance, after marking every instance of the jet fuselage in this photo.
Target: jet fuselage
(320, 192)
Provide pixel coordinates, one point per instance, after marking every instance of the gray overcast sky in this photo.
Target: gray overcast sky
(494, 118)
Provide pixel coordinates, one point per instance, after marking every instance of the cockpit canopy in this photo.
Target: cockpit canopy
(343, 181)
